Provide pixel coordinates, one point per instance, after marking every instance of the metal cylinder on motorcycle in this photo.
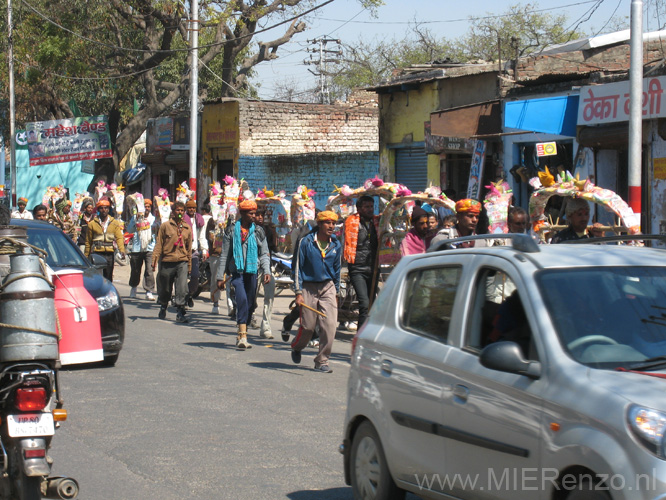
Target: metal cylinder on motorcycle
(27, 311)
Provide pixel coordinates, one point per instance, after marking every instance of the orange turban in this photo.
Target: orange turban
(22, 201)
(247, 205)
(147, 201)
(191, 204)
(103, 202)
(468, 205)
(327, 215)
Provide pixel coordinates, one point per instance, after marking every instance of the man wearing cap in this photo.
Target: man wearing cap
(173, 251)
(467, 215)
(199, 246)
(414, 241)
(316, 284)
(244, 253)
(140, 248)
(577, 211)
(103, 230)
(21, 212)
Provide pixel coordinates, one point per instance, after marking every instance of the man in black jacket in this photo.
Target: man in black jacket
(360, 251)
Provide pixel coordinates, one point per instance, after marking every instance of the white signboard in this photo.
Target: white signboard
(610, 103)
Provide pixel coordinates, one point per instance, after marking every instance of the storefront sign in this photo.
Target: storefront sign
(659, 168)
(436, 144)
(59, 141)
(181, 133)
(476, 170)
(610, 103)
(159, 134)
(546, 148)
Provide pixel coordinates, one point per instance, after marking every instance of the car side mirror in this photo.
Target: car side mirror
(97, 261)
(506, 356)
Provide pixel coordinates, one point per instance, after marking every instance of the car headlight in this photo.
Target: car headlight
(649, 426)
(108, 301)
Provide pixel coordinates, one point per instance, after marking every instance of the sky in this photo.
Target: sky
(348, 21)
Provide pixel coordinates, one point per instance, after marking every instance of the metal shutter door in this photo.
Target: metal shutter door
(411, 168)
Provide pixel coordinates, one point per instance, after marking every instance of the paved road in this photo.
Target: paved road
(183, 414)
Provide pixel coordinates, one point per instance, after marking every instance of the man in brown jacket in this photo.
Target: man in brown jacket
(173, 251)
(103, 230)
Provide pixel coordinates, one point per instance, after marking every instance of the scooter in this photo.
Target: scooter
(281, 269)
(31, 407)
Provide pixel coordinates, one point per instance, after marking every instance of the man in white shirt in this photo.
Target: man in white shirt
(21, 212)
(199, 246)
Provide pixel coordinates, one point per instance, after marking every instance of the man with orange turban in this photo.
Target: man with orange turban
(21, 212)
(318, 259)
(467, 216)
(244, 254)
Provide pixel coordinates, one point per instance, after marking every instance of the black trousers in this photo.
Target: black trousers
(107, 270)
(361, 280)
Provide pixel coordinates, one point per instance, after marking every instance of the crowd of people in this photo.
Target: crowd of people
(167, 256)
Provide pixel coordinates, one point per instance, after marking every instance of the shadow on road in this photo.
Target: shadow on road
(329, 494)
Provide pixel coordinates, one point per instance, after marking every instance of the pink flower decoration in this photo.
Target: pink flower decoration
(261, 195)
(377, 182)
(403, 191)
(229, 180)
(311, 193)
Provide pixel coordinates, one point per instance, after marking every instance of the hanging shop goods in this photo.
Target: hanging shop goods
(565, 185)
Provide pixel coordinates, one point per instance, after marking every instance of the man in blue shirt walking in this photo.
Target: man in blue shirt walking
(316, 284)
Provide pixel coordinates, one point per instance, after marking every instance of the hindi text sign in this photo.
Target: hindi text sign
(609, 103)
(75, 139)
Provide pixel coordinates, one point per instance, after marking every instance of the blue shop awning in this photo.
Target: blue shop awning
(551, 115)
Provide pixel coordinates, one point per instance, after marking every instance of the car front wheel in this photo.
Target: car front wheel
(370, 476)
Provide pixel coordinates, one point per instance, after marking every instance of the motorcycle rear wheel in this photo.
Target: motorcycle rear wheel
(28, 488)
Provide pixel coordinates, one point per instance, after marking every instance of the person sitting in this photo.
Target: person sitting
(467, 215)
(578, 214)
(414, 241)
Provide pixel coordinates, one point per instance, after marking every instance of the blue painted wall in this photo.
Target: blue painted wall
(32, 182)
(318, 171)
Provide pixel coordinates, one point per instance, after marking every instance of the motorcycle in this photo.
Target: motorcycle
(281, 269)
(31, 407)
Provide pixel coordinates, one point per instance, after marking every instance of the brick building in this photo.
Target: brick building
(283, 144)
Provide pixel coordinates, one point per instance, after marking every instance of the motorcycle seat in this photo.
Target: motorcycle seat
(283, 256)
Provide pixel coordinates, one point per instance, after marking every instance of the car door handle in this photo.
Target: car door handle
(460, 393)
(387, 367)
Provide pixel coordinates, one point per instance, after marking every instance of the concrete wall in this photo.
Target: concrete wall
(318, 171)
(402, 115)
(463, 90)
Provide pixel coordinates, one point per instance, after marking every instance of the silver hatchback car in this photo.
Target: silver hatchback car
(524, 372)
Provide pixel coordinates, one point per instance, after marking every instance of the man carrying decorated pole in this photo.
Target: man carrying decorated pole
(244, 253)
(316, 284)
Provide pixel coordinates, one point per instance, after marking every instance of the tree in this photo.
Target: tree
(521, 28)
(107, 54)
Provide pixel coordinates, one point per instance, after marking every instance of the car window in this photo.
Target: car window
(61, 252)
(498, 314)
(429, 298)
(608, 317)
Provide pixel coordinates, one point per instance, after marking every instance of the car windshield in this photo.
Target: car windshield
(609, 317)
(60, 251)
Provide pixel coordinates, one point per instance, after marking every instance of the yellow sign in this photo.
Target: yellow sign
(659, 168)
(546, 148)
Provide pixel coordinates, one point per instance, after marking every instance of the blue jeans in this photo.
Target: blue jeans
(245, 286)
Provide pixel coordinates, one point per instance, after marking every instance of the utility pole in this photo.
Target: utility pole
(12, 105)
(194, 93)
(322, 64)
(636, 106)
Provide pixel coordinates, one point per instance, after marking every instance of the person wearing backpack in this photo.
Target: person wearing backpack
(244, 253)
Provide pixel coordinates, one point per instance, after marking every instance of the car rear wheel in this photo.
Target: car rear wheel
(370, 476)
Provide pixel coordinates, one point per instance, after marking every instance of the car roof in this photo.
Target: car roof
(572, 255)
(35, 224)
